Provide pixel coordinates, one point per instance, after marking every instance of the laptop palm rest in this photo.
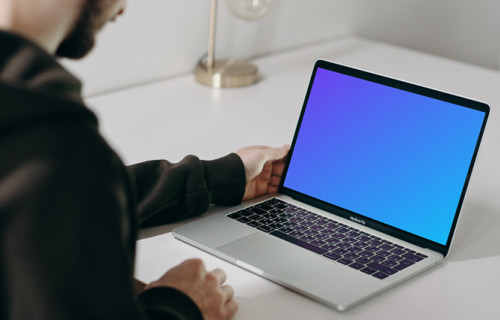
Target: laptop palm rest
(301, 270)
(275, 257)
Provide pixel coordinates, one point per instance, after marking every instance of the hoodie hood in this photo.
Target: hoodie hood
(33, 85)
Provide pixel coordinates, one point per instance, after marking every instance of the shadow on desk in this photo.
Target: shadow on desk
(477, 234)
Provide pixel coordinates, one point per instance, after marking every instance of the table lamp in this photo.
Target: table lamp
(230, 72)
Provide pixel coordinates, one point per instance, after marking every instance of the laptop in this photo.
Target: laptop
(371, 193)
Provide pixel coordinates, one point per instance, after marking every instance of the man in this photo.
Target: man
(69, 208)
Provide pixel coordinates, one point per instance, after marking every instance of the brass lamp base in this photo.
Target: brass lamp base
(226, 73)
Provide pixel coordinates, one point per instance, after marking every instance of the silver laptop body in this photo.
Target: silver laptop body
(378, 167)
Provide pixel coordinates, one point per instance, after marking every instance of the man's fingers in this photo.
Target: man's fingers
(227, 291)
(272, 189)
(274, 154)
(275, 181)
(219, 275)
(231, 308)
(278, 168)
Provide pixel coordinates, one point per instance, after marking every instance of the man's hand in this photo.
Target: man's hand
(263, 169)
(204, 288)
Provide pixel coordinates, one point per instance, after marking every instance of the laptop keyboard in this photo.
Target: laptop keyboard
(333, 240)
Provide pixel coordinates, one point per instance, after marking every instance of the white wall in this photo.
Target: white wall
(157, 39)
(466, 30)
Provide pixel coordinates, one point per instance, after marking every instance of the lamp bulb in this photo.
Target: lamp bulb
(249, 9)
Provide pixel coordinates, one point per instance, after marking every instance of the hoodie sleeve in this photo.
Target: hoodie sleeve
(168, 192)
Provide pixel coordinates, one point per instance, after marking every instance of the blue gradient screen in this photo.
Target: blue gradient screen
(387, 154)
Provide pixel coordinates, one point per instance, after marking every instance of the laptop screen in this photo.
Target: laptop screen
(385, 152)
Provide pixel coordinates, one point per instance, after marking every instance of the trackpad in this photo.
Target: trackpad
(275, 257)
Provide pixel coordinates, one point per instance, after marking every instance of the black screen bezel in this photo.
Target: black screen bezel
(398, 84)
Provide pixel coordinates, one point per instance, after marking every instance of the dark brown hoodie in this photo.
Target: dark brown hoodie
(70, 209)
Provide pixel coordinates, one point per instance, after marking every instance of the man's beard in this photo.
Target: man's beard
(81, 39)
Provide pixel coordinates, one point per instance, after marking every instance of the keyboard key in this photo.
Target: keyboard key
(363, 260)
(349, 240)
(382, 268)
(375, 243)
(340, 251)
(264, 206)
(298, 242)
(306, 223)
(284, 230)
(322, 221)
(317, 227)
(355, 249)
(302, 213)
(389, 263)
(307, 238)
(310, 232)
(265, 228)
(317, 243)
(244, 219)
(322, 236)
(278, 226)
(371, 249)
(344, 245)
(365, 254)
(328, 231)
(254, 224)
(398, 251)
(333, 256)
(296, 234)
(245, 213)
(332, 240)
(342, 230)
(368, 270)
(266, 221)
(338, 236)
(361, 244)
(395, 257)
(234, 215)
(289, 224)
(380, 275)
(363, 238)
(386, 247)
(291, 209)
(345, 261)
(412, 257)
(312, 218)
(377, 258)
(329, 246)
(353, 234)
(383, 253)
(280, 220)
(257, 210)
(255, 217)
(356, 265)
(403, 264)
(351, 256)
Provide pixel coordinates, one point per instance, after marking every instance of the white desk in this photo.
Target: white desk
(173, 118)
